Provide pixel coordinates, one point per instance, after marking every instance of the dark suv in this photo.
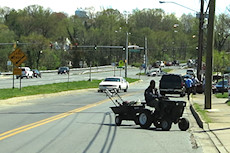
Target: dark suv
(172, 84)
(63, 70)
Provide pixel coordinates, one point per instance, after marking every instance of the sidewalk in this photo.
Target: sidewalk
(219, 128)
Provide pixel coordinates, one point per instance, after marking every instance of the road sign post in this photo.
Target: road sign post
(17, 57)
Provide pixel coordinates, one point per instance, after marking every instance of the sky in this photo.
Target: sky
(69, 6)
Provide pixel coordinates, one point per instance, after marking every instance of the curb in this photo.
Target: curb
(196, 116)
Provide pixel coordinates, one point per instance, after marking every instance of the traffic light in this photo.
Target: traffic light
(95, 47)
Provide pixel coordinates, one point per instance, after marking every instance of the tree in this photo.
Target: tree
(35, 46)
(38, 27)
(220, 61)
(6, 36)
(222, 31)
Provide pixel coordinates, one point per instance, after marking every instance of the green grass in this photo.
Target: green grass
(225, 95)
(203, 113)
(130, 80)
(167, 70)
(228, 103)
(219, 95)
(51, 88)
(140, 74)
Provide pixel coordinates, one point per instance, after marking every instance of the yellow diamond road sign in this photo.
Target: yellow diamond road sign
(17, 57)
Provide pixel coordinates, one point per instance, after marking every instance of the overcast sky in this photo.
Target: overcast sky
(69, 6)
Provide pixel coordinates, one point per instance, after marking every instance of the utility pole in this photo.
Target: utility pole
(209, 55)
(200, 41)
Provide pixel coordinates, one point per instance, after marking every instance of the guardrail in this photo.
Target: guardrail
(72, 69)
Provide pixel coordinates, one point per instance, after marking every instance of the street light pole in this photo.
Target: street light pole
(200, 41)
(161, 2)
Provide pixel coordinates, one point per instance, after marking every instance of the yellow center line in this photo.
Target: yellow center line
(47, 120)
(50, 119)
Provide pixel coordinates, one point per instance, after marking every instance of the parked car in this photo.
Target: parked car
(114, 83)
(191, 63)
(26, 72)
(216, 77)
(168, 63)
(199, 87)
(221, 86)
(172, 84)
(63, 70)
(36, 73)
(190, 72)
(160, 63)
(153, 73)
(175, 62)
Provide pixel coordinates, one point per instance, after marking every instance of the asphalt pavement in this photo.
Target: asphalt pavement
(219, 128)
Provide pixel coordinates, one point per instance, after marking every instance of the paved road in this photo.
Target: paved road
(83, 122)
(52, 77)
(75, 75)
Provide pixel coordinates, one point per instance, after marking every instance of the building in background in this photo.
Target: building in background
(80, 13)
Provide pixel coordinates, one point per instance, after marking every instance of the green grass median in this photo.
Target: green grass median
(51, 88)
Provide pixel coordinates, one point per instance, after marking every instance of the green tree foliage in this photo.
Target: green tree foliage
(222, 31)
(50, 60)
(44, 34)
(35, 45)
(5, 36)
(220, 61)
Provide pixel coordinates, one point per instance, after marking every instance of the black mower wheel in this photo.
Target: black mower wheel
(183, 124)
(118, 120)
(137, 120)
(145, 119)
(166, 124)
(157, 124)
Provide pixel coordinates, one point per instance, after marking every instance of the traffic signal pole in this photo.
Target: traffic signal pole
(126, 54)
(146, 55)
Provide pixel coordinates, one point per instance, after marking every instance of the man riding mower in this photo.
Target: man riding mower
(166, 111)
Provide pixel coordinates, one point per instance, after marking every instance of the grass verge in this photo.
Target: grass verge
(203, 113)
(51, 88)
(167, 70)
(228, 103)
(220, 95)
